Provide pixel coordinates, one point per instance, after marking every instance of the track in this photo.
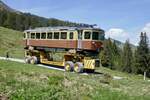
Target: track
(40, 65)
(22, 61)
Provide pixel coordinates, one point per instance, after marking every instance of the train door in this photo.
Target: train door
(27, 38)
(80, 39)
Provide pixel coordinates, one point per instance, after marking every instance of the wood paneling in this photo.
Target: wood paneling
(88, 45)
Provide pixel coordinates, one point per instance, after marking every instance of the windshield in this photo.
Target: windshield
(98, 36)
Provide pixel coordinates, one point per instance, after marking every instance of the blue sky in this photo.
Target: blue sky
(121, 19)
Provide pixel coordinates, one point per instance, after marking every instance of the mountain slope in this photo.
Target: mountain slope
(121, 44)
(13, 19)
(3, 6)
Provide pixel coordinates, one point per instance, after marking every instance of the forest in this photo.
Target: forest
(22, 21)
(127, 60)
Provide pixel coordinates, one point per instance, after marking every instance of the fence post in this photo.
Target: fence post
(144, 75)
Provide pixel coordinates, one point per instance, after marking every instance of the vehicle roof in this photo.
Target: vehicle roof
(47, 29)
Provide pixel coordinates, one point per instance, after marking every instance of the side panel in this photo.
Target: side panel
(53, 43)
(72, 44)
(91, 45)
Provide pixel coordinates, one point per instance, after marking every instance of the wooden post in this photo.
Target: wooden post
(144, 75)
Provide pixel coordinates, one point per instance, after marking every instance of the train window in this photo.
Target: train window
(43, 35)
(37, 35)
(102, 36)
(71, 35)
(95, 36)
(56, 35)
(87, 35)
(63, 35)
(49, 35)
(32, 35)
(24, 35)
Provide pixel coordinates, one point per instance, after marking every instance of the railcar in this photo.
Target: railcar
(74, 48)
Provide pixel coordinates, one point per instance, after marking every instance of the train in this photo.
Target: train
(72, 48)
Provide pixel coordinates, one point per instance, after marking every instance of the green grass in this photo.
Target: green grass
(11, 40)
(22, 81)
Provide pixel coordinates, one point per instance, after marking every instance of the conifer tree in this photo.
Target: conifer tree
(116, 56)
(127, 58)
(143, 55)
(106, 54)
(19, 22)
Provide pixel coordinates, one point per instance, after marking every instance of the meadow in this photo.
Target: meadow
(29, 82)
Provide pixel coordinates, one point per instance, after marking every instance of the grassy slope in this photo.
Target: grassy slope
(22, 81)
(11, 41)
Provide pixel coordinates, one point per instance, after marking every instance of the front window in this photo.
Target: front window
(95, 36)
(87, 35)
(63, 35)
(102, 36)
(56, 35)
(71, 35)
(43, 36)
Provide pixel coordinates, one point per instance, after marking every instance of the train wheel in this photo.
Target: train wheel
(33, 60)
(78, 67)
(27, 60)
(69, 66)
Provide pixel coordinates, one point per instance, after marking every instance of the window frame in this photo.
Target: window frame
(58, 36)
(90, 35)
(61, 35)
(24, 35)
(51, 35)
(97, 36)
(101, 36)
(72, 35)
(36, 35)
(31, 35)
(42, 34)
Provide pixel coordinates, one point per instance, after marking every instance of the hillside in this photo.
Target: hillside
(3, 6)
(121, 44)
(17, 20)
(11, 40)
(22, 81)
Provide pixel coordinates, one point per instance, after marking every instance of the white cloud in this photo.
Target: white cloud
(118, 34)
(122, 35)
(147, 29)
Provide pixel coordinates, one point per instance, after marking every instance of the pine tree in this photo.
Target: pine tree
(116, 57)
(106, 54)
(10, 21)
(127, 58)
(3, 16)
(103, 58)
(19, 22)
(143, 55)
